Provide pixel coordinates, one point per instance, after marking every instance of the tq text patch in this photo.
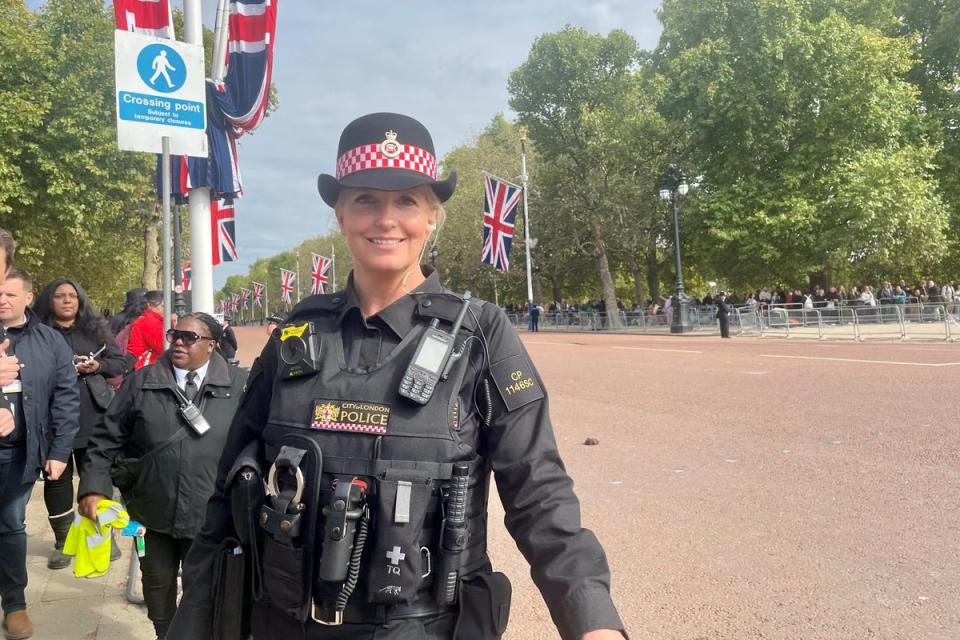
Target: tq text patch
(348, 415)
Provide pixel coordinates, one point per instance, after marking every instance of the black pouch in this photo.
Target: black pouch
(231, 607)
(484, 607)
(283, 576)
(399, 562)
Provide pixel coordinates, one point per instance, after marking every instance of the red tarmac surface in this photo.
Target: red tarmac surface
(756, 488)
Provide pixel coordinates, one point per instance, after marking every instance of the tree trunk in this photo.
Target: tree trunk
(606, 280)
(557, 287)
(653, 272)
(637, 280)
(151, 251)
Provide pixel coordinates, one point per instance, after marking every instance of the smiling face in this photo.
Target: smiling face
(386, 230)
(66, 303)
(191, 356)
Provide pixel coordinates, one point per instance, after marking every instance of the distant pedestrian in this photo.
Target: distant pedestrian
(228, 342)
(273, 320)
(146, 332)
(723, 312)
(535, 311)
(134, 305)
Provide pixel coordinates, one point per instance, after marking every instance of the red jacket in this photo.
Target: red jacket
(146, 334)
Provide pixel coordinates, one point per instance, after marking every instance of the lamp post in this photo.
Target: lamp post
(672, 186)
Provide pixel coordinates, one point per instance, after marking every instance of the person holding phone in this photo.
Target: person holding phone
(64, 305)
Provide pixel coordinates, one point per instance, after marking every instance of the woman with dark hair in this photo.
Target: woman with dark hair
(164, 463)
(64, 305)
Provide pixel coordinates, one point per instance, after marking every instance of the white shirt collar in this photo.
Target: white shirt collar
(181, 375)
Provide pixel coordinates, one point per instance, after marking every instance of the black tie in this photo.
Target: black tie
(190, 389)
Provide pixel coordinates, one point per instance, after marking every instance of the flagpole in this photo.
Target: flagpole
(333, 259)
(198, 202)
(165, 183)
(298, 274)
(526, 211)
(266, 300)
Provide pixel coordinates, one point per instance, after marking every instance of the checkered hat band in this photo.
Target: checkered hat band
(369, 156)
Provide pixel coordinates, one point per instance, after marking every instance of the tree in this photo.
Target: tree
(75, 195)
(562, 92)
(813, 150)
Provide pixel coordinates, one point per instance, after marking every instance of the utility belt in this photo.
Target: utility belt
(350, 541)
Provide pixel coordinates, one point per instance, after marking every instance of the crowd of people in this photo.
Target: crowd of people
(72, 414)
(814, 297)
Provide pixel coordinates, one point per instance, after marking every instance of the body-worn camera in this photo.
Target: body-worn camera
(299, 350)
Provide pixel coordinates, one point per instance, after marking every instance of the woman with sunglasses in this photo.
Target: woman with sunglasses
(64, 305)
(164, 464)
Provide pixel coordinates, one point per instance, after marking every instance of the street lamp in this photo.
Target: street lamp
(673, 185)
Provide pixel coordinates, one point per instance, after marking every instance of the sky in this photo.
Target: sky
(445, 63)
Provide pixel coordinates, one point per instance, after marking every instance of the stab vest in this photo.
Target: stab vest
(358, 426)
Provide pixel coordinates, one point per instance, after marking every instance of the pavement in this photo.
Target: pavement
(752, 488)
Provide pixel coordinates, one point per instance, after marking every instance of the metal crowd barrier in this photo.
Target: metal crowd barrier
(851, 320)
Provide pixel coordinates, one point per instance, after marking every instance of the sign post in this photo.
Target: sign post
(161, 108)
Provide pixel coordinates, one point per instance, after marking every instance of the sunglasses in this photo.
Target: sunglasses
(186, 337)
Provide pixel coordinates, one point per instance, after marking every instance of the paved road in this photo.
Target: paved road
(743, 488)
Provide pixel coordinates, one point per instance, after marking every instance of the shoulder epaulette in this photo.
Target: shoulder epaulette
(318, 304)
(446, 305)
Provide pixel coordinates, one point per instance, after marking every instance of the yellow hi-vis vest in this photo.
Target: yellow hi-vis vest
(89, 541)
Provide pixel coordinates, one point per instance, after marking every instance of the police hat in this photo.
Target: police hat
(277, 318)
(388, 152)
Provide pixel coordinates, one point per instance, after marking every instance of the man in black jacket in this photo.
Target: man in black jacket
(228, 343)
(723, 311)
(45, 401)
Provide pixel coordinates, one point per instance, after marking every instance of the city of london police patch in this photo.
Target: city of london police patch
(347, 415)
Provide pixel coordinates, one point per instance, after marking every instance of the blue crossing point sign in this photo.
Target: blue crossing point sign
(161, 92)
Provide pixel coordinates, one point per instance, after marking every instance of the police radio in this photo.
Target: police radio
(299, 350)
(430, 362)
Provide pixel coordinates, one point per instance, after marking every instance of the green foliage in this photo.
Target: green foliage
(812, 144)
(65, 188)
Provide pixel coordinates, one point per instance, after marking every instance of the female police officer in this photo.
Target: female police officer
(376, 415)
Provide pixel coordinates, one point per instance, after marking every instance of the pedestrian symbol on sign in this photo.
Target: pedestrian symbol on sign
(161, 68)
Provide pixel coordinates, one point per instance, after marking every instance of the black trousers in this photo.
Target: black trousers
(58, 497)
(159, 568)
(724, 327)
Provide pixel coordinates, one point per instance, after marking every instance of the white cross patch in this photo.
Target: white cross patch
(395, 555)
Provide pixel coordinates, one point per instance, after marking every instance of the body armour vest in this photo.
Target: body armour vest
(357, 430)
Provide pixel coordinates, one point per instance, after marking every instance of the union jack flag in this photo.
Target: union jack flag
(234, 303)
(287, 278)
(224, 231)
(321, 265)
(187, 278)
(234, 106)
(149, 17)
(244, 298)
(258, 294)
(500, 200)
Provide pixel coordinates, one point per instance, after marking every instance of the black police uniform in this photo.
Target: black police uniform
(346, 422)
